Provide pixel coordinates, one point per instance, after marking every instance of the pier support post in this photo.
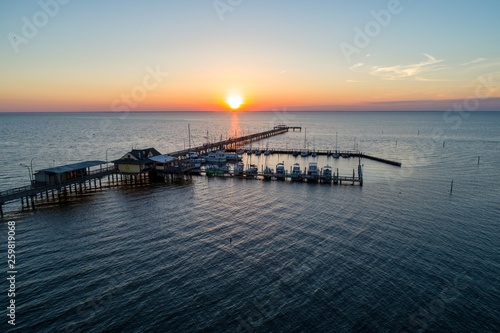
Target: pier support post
(32, 203)
(1, 210)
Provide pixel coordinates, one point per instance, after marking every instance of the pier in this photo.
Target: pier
(329, 152)
(303, 176)
(233, 143)
(142, 166)
(58, 181)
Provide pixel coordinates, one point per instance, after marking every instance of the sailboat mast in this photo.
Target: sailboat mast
(189, 134)
(305, 137)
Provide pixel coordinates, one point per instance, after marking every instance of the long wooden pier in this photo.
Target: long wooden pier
(327, 152)
(233, 143)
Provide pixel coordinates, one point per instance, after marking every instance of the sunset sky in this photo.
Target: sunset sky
(295, 54)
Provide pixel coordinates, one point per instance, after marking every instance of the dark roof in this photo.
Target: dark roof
(144, 153)
(141, 156)
(132, 162)
(72, 167)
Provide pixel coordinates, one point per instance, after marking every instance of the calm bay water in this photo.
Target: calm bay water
(399, 254)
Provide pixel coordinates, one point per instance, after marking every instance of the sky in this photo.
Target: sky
(254, 55)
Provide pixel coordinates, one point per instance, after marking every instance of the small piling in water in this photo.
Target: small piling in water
(451, 188)
(478, 158)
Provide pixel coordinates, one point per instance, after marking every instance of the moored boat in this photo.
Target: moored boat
(252, 170)
(296, 172)
(326, 175)
(280, 171)
(216, 157)
(268, 173)
(239, 169)
(313, 171)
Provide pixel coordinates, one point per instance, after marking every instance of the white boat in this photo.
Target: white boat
(257, 152)
(335, 154)
(304, 153)
(268, 173)
(296, 172)
(252, 170)
(232, 157)
(313, 154)
(326, 175)
(267, 152)
(280, 171)
(313, 171)
(239, 169)
(216, 157)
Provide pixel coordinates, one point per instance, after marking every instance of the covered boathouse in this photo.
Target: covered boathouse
(68, 173)
(136, 161)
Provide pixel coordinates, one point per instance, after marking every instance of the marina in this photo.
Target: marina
(221, 159)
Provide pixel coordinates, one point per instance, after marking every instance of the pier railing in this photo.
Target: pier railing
(232, 142)
(29, 190)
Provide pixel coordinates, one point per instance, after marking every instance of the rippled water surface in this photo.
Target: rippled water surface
(400, 254)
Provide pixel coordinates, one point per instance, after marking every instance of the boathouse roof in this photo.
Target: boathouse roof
(144, 153)
(162, 158)
(71, 167)
(138, 156)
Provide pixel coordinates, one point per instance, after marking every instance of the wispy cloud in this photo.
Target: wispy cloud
(420, 78)
(473, 62)
(399, 72)
(356, 66)
(404, 71)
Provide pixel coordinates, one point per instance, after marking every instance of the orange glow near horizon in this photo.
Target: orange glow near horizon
(234, 101)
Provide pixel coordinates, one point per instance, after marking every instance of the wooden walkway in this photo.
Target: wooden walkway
(355, 179)
(327, 152)
(30, 192)
(233, 143)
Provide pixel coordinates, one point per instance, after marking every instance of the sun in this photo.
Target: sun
(234, 101)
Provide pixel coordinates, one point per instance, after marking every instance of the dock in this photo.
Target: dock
(232, 144)
(142, 166)
(82, 178)
(329, 152)
(336, 178)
